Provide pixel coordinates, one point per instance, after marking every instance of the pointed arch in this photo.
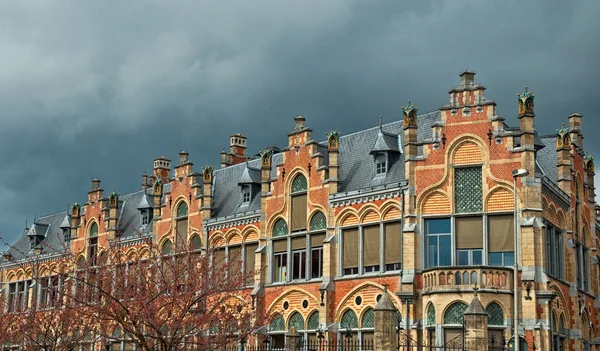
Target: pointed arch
(436, 202)
(182, 209)
(495, 314)
(368, 318)
(280, 228)
(296, 320)
(195, 242)
(318, 221)
(346, 217)
(313, 321)
(390, 210)
(167, 247)
(499, 199)
(430, 320)
(454, 313)
(93, 231)
(277, 323)
(467, 153)
(349, 320)
(299, 183)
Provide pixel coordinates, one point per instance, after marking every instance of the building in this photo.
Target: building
(422, 206)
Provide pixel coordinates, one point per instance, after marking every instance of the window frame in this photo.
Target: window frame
(381, 164)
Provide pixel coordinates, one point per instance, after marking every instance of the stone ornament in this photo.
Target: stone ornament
(525, 102)
(333, 140)
(207, 174)
(265, 157)
(158, 187)
(588, 163)
(563, 137)
(410, 115)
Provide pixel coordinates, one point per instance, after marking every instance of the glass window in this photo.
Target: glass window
(350, 250)
(299, 264)
(431, 315)
(439, 244)
(246, 194)
(316, 262)
(280, 228)
(296, 321)
(501, 259)
(313, 321)
(318, 221)
(393, 246)
(380, 164)
(455, 313)
(182, 210)
(93, 250)
(468, 189)
(94, 230)
(144, 217)
(299, 184)
(371, 240)
(280, 266)
(66, 235)
(249, 264)
(495, 314)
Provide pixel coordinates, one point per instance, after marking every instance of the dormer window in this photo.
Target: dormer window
(66, 235)
(380, 164)
(246, 194)
(144, 217)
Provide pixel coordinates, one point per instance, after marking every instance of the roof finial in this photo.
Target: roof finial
(475, 289)
(526, 88)
(380, 121)
(385, 287)
(34, 217)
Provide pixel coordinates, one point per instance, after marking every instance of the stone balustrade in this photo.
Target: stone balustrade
(485, 277)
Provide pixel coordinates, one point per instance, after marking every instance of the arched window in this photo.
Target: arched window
(116, 342)
(495, 314)
(296, 321)
(280, 228)
(349, 320)
(181, 225)
(313, 321)
(277, 330)
(195, 242)
(453, 322)
(318, 225)
(431, 315)
(93, 244)
(167, 248)
(299, 207)
(367, 324)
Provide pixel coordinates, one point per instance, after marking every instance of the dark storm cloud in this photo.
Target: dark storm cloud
(90, 90)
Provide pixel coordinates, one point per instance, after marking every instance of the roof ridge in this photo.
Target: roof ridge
(386, 124)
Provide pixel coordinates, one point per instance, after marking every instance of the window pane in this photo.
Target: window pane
(432, 251)
(509, 258)
(280, 267)
(299, 265)
(477, 257)
(316, 263)
(445, 250)
(437, 226)
(495, 258)
(463, 257)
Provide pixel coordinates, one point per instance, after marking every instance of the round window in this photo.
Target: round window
(305, 304)
(358, 300)
(286, 305)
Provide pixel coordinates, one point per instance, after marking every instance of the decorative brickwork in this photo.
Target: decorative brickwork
(436, 203)
(500, 199)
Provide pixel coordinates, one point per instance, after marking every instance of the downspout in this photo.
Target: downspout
(401, 235)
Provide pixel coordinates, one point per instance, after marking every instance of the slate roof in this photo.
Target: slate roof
(547, 158)
(52, 242)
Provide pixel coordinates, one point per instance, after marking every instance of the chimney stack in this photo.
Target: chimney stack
(145, 184)
(563, 152)
(299, 122)
(162, 169)
(113, 214)
(575, 127)
(333, 144)
(184, 168)
(75, 219)
(96, 193)
(207, 183)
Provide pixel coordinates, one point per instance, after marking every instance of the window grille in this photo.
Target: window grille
(182, 210)
(468, 189)
(313, 321)
(196, 242)
(431, 315)
(280, 228)
(94, 230)
(277, 324)
(318, 221)
(368, 319)
(299, 184)
(297, 321)
(349, 320)
(455, 313)
(167, 248)
(495, 314)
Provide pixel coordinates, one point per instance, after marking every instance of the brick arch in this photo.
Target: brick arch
(217, 239)
(467, 152)
(369, 213)
(544, 204)
(348, 215)
(291, 294)
(551, 213)
(560, 219)
(249, 233)
(391, 210)
(274, 220)
(233, 236)
(11, 277)
(560, 298)
(437, 202)
(88, 227)
(499, 199)
(372, 290)
(176, 203)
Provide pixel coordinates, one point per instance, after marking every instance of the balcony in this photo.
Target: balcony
(459, 278)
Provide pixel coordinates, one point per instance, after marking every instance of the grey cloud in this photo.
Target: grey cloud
(91, 90)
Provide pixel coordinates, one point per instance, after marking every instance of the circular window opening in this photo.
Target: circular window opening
(286, 305)
(305, 304)
(358, 300)
(378, 298)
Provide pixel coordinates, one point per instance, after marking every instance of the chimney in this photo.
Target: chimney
(162, 169)
(299, 123)
(237, 149)
(75, 219)
(113, 214)
(333, 143)
(96, 193)
(300, 135)
(184, 167)
(527, 130)
(207, 183)
(563, 151)
(145, 184)
(467, 78)
(575, 127)
(157, 194)
(224, 159)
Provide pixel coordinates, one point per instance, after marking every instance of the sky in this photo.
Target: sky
(98, 89)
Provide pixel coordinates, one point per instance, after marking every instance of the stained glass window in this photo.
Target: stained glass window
(196, 242)
(296, 321)
(182, 210)
(349, 320)
(318, 221)
(431, 315)
(277, 324)
(280, 228)
(167, 248)
(313, 321)
(455, 313)
(368, 319)
(495, 314)
(94, 230)
(468, 193)
(299, 183)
